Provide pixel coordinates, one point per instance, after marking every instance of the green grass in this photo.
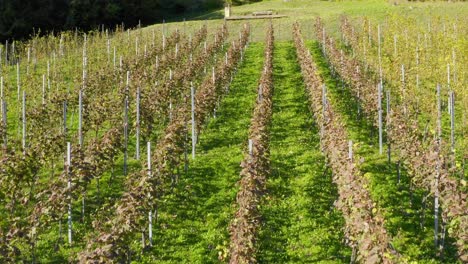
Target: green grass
(305, 11)
(300, 223)
(400, 203)
(193, 221)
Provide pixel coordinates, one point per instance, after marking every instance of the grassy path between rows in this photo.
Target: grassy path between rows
(300, 223)
(408, 218)
(193, 221)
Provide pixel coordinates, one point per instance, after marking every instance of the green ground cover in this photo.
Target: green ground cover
(194, 219)
(408, 211)
(301, 224)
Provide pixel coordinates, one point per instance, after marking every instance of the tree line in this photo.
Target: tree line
(21, 18)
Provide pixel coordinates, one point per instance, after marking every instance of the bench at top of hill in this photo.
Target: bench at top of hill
(262, 13)
(254, 17)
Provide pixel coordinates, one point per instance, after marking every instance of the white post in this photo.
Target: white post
(138, 124)
(194, 135)
(170, 110)
(452, 121)
(454, 64)
(350, 150)
(250, 147)
(108, 50)
(43, 88)
(438, 167)
(448, 75)
(114, 59)
(48, 70)
(69, 194)
(388, 127)
(61, 46)
(4, 120)
(150, 213)
(128, 81)
(24, 120)
(80, 118)
(227, 11)
(403, 88)
(65, 118)
(136, 46)
(1, 92)
(125, 135)
(150, 227)
(379, 92)
(213, 75)
(323, 40)
(324, 101)
(29, 60)
(379, 50)
(18, 80)
(85, 63)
